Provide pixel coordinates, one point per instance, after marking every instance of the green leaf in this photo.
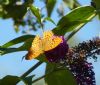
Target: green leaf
(27, 44)
(58, 76)
(13, 80)
(25, 47)
(49, 19)
(50, 67)
(9, 80)
(28, 80)
(36, 12)
(8, 50)
(17, 40)
(74, 19)
(97, 3)
(50, 6)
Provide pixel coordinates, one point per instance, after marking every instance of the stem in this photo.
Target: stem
(31, 69)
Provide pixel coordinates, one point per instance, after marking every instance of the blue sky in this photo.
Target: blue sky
(11, 64)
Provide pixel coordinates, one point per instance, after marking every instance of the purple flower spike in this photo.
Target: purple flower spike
(58, 52)
(83, 72)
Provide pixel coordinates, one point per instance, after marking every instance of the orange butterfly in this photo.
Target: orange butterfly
(42, 44)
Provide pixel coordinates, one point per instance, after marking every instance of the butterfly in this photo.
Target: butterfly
(41, 44)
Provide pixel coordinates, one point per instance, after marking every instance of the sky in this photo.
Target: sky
(12, 64)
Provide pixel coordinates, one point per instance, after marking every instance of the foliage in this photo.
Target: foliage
(55, 73)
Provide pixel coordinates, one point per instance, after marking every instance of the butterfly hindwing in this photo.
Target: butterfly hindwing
(36, 48)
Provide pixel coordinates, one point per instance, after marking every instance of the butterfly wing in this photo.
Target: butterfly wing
(50, 41)
(36, 48)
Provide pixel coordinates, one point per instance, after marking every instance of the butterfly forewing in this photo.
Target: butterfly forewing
(50, 41)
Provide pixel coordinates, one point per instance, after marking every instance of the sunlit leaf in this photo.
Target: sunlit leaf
(36, 12)
(74, 19)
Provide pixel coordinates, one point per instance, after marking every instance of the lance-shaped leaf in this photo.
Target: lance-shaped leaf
(8, 50)
(75, 19)
(17, 40)
(27, 39)
(27, 44)
(50, 6)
